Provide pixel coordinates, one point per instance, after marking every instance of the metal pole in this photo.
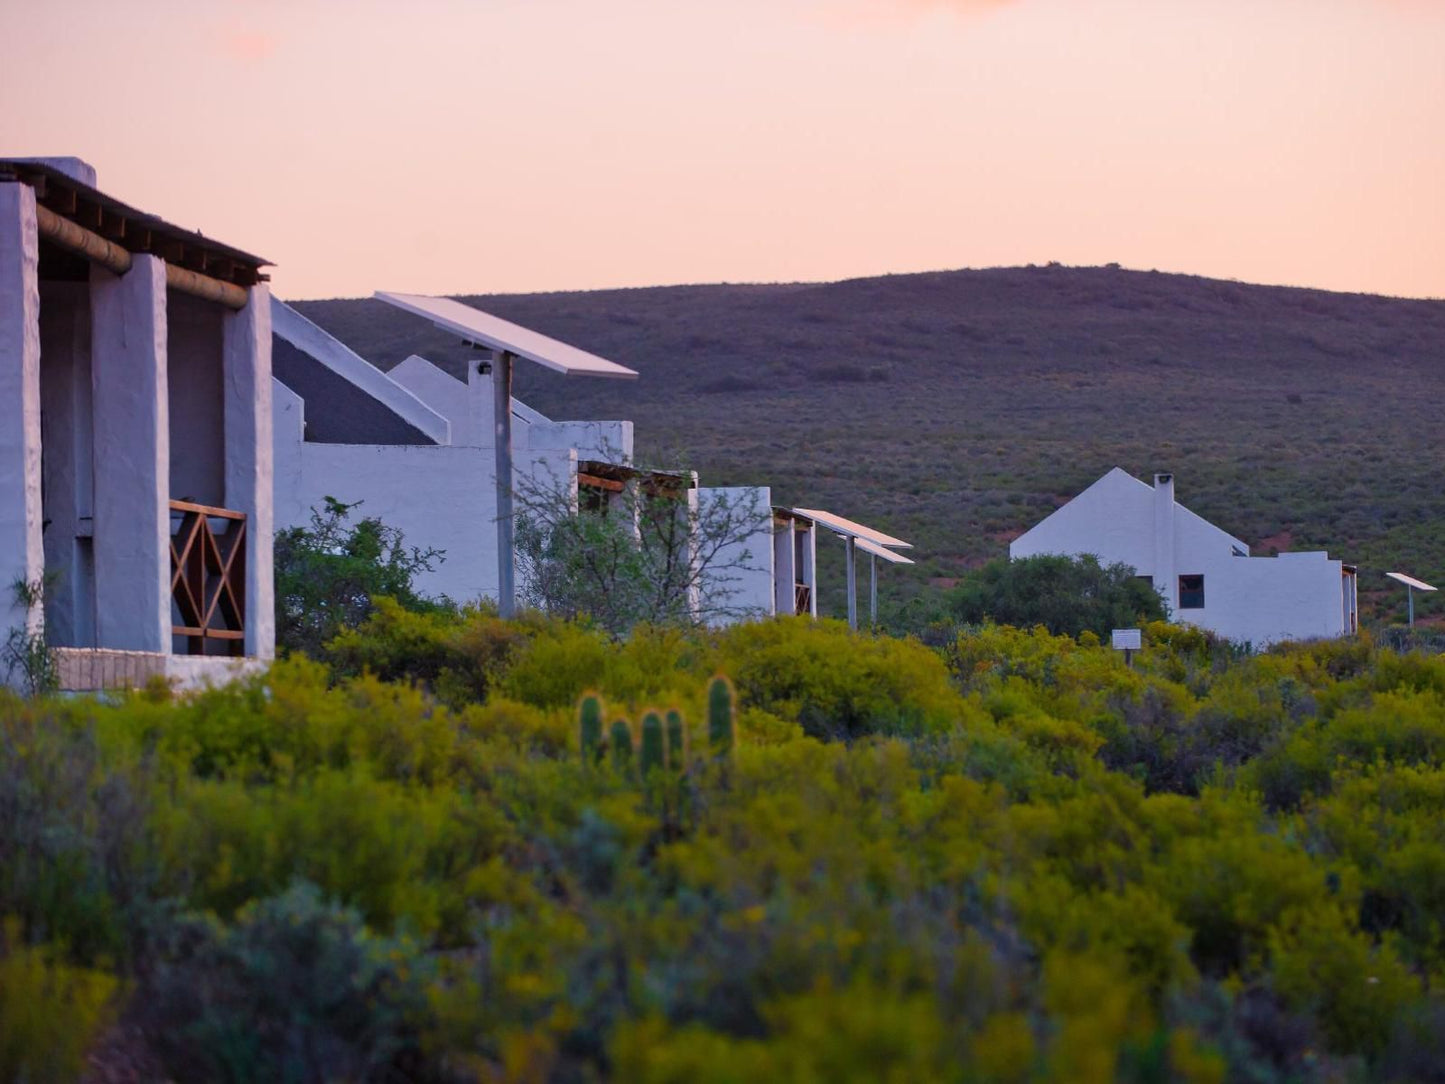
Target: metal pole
(502, 413)
(1410, 595)
(872, 589)
(852, 582)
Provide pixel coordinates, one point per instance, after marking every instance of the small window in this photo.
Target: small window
(1191, 592)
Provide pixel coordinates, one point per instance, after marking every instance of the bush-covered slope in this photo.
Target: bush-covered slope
(956, 409)
(1014, 859)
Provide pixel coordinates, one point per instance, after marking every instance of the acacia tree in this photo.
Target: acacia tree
(656, 550)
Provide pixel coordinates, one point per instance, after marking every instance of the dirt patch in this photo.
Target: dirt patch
(1278, 542)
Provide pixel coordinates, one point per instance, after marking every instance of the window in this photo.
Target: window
(1191, 592)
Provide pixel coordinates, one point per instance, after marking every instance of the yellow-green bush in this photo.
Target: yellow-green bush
(1011, 859)
(50, 1011)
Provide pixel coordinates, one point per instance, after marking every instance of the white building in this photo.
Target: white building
(1206, 577)
(135, 436)
(416, 447)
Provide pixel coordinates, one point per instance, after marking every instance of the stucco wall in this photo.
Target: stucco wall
(1263, 600)
(739, 579)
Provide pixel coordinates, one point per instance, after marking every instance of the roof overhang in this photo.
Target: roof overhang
(614, 476)
(131, 229)
(849, 529)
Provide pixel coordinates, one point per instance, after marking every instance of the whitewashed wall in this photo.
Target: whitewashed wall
(746, 590)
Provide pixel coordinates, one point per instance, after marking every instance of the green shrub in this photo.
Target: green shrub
(1066, 595)
(294, 990)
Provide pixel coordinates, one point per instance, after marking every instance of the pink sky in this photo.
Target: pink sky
(517, 145)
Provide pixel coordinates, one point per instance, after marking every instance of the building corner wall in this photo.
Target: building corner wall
(250, 457)
(22, 554)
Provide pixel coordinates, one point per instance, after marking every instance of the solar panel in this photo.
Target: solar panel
(1411, 580)
(494, 333)
(839, 525)
(878, 551)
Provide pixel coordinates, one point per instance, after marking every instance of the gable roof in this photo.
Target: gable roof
(1115, 485)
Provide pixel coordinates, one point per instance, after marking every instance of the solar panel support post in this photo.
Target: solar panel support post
(872, 591)
(502, 413)
(852, 551)
(1410, 602)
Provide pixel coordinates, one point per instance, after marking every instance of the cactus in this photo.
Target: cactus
(653, 757)
(720, 732)
(676, 753)
(589, 711)
(622, 746)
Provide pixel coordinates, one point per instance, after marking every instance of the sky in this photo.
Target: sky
(488, 146)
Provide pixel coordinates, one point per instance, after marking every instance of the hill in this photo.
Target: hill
(957, 408)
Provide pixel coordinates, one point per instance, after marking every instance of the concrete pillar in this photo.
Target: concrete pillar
(132, 457)
(784, 571)
(810, 567)
(22, 553)
(249, 452)
(1166, 577)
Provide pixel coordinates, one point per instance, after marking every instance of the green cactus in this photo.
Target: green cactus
(654, 757)
(720, 732)
(676, 753)
(622, 746)
(589, 711)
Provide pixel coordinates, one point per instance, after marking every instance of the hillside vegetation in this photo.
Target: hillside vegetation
(1010, 859)
(956, 409)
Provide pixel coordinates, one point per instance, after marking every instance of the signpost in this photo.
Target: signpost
(1128, 641)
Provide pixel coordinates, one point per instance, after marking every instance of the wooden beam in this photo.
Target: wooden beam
(94, 247)
(593, 481)
(76, 238)
(206, 288)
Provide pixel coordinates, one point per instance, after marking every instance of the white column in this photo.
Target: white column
(852, 554)
(249, 457)
(22, 553)
(785, 575)
(132, 457)
(1166, 578)
(810, 568)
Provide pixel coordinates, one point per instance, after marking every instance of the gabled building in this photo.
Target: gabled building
(1205, 575)
(135, 437)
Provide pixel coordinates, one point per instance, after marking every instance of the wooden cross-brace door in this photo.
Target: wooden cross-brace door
(208, 578)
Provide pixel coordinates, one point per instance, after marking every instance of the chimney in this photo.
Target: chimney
(1166, 578)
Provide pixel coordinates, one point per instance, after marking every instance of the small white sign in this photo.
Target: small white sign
(1128, 639)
